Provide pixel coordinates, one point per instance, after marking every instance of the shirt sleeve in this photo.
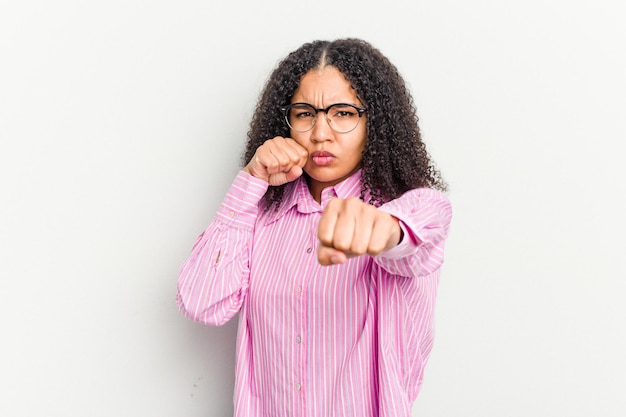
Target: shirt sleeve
(425, 216)
(213, 281)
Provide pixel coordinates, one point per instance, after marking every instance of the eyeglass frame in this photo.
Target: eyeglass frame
(285, 109)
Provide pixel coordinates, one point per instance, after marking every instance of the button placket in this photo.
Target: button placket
(301, 283)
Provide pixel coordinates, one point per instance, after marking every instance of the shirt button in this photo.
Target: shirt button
(309, 250)
(231, 214)
(298, 289)
(298, 387)
(298, 339)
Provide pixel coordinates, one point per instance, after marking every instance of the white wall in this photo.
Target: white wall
(121, 126)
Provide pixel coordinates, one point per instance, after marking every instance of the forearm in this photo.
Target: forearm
(213, 281)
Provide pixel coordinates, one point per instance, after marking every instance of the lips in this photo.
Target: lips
(322, 158)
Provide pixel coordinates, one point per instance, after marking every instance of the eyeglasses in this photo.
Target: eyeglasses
(341, 117)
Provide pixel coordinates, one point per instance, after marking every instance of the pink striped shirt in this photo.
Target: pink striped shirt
(318, 341)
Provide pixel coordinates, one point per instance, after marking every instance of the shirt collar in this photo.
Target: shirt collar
(297, 194)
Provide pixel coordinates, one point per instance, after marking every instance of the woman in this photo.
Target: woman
(334, 167)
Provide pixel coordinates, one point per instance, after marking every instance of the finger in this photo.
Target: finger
(256, 168)
(280, 178)
(294, 173)
(385, 234)
(363, 230)
(281, 158)
(300, 154)
(345, 225)
(275, 159)
(288, 153)
(326, 226)
(329, 256)
(263, 162)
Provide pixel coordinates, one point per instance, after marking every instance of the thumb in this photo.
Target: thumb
(330, 256)
(294, 173)
(281, 178)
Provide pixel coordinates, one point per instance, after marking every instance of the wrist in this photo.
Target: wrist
(398, 233)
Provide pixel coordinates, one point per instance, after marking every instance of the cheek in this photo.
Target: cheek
(356, 154)
(361, 142)
(298, 137)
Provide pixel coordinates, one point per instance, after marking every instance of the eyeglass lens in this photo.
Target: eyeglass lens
(342, 118)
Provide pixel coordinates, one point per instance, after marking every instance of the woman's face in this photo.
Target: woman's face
(333, 156)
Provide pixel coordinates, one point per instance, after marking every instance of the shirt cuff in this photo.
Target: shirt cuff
(405, 247)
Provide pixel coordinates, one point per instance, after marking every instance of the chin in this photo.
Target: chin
(321, 177)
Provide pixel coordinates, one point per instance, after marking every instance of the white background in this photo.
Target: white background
(121, 127)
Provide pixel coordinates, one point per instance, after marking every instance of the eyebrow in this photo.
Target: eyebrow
(330, 105)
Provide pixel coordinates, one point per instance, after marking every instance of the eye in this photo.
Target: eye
(302, 111)
(343, 112)
(302, 114)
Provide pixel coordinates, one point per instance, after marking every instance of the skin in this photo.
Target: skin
(348, 227)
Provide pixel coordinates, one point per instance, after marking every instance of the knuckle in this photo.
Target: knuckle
(375, 251)
(341, 245)
(376, 248)
(325, 241)
(358, 249)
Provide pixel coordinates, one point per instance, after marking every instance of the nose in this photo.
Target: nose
(321, 129)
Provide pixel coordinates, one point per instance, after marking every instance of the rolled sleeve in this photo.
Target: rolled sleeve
(424, 216)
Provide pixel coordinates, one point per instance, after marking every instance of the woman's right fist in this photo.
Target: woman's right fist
(278, 161)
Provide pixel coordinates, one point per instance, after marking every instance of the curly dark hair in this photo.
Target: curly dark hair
(395, 159)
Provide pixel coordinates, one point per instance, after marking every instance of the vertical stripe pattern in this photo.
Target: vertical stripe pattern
(342, 340)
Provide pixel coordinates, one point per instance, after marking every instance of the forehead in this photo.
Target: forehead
(325, 86)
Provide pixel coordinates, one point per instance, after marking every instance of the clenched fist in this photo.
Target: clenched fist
(278, 161)
(350, 227)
